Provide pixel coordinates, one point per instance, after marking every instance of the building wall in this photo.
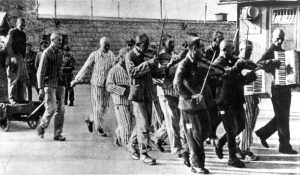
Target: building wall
(84, 34)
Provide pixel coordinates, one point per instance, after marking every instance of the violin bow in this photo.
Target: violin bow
(161, 35)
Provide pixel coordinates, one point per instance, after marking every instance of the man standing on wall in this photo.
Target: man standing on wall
(16, 68)
(51, 87)
(281, 100)
(101, 61)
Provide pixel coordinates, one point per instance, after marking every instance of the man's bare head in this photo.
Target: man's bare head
(20, 24)
(56, 39)
(226, 47)
(278, 37)
(104, 44)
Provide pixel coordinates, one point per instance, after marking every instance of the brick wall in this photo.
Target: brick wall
(84, 34)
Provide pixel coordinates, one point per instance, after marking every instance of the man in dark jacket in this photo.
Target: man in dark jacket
(68, 66)
(141, 95)
(230, 99)
(188, 83)
(16, 68)
(281, 100)
(30, 59)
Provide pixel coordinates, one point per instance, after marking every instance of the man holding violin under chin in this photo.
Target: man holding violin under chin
(141, 95)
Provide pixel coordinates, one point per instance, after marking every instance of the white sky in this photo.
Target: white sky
(174, 9)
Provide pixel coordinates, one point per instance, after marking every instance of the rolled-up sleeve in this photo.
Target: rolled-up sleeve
(111, 85)
(88, 64)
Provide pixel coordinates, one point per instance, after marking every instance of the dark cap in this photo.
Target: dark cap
(67, 48)
(44, 42)
(130, 41)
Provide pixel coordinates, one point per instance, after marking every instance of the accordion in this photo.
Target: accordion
(261, 86)
(288, 72)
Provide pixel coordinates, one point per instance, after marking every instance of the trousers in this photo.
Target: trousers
(142, 112)
(123, 129)
(281, 100)
(100, 104)
(233, 118)
(251, 113)
(54, 106)
(196, 127)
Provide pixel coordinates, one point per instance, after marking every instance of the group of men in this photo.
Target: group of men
(197, 89)
(26, 68)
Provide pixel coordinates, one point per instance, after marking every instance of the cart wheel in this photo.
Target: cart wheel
(33, 123)
(4, 124)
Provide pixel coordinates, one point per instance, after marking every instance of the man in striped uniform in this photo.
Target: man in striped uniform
(141, 94)
(118, 85)
(101, 60)
(51, 87)
(251, 110)
(168, 99)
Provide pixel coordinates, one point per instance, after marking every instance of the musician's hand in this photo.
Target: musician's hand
(240, 64)
(250, 65)
(251, 76)
(41, 94)
(276, 63)
(152, 63)
(73, 83)
(218, 70)
(126, 92)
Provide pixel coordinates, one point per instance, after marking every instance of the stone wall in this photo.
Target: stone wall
(84, 34)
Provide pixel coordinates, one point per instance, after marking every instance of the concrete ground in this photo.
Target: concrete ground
(23, 152)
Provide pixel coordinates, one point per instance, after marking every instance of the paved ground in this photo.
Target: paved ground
(22, 152)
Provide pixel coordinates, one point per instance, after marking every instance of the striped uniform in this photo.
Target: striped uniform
(116, 84)
(101, 63)
(251, 113)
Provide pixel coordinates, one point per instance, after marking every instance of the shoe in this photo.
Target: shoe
(219, 151)
(241, 155)
(89, 125)
(40, 132)
(236, 163)
(177, 154)
(135, 155)
(251, 157)
(101, 133)
(159, 146)
(71, 104)
(287, 151)
(262, 141)
(186, 159)
(59, 138)
(66, 103)
(147, 159)
(116, 142)
(199, 170)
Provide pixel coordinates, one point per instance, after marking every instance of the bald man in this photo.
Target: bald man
(230, 99)
(281, 100)
(100, 61)
(51, 87)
